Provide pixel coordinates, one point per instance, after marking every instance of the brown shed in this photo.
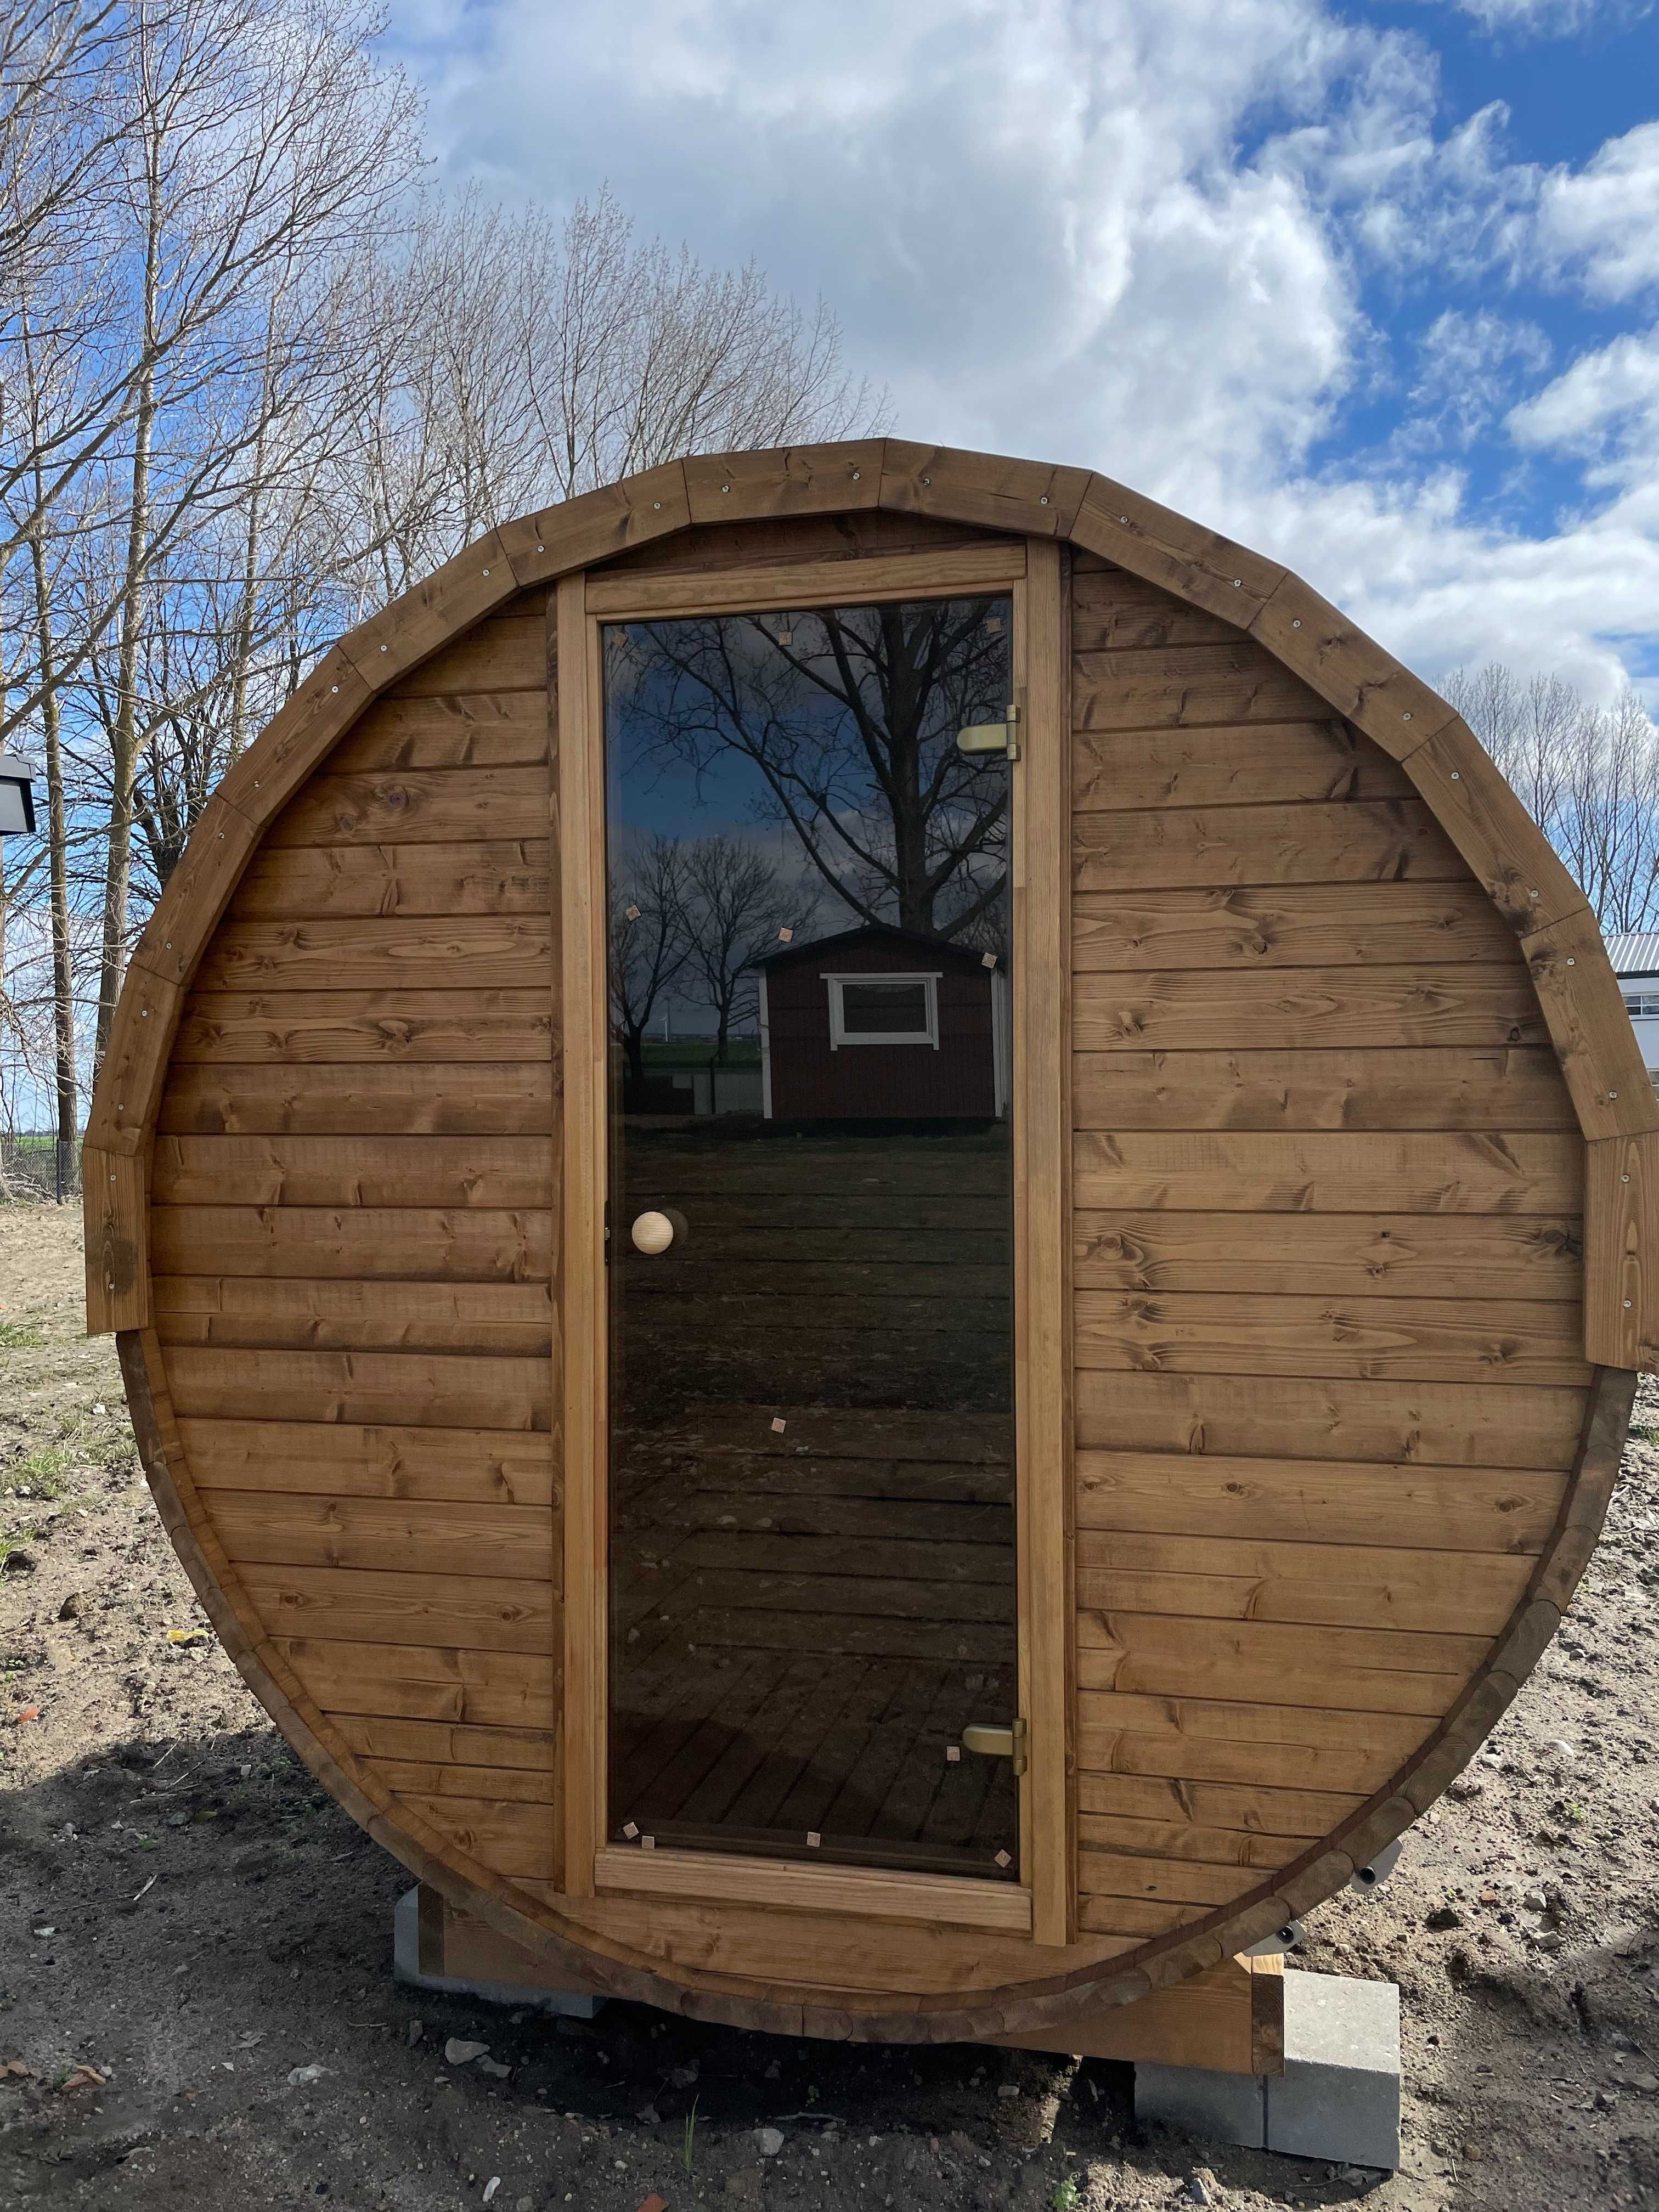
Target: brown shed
(911, 1582)
(882, 1024)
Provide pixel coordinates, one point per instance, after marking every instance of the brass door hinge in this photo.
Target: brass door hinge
(999, 1739)
(993, 737)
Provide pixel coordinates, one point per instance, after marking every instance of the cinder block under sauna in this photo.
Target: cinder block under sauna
(880, 1235)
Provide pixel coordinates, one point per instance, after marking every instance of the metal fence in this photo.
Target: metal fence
(33, 1168)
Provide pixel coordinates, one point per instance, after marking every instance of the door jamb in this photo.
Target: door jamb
(1040, 862)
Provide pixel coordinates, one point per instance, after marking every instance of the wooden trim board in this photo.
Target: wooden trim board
(866, 1893)
(1042, 1149)
(579, 834)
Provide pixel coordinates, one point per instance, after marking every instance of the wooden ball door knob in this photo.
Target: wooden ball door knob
(652, 1232)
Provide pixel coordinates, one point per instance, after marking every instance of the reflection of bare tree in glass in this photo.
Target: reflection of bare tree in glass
(851, 716)
(735, 902)
(647, 936)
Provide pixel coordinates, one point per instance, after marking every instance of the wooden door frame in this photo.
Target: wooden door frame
(1032, 570)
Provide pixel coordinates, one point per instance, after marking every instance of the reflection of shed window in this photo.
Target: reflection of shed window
(883, 1010)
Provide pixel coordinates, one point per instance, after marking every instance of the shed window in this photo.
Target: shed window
(883, 1010)
(1641, 1002)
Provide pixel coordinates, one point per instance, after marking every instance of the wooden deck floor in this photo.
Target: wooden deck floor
(804, 1621)
(803, 1629)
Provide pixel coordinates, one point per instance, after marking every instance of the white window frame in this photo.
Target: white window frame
(840, 1035)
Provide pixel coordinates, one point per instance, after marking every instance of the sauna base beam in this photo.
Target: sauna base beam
(1228, 2023)
(489, 1969)
(1338, 2097)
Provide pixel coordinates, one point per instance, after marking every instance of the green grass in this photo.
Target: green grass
(44, 1474)
(20, 1336)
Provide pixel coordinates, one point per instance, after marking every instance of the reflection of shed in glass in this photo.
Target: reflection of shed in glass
(883, 1024)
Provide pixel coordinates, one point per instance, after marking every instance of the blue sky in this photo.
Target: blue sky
(1374, 289)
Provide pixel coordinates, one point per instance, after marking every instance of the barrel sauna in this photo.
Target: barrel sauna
(992, 1546)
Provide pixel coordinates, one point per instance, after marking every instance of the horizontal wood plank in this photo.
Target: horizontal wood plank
(1176, 1882)
(1446, 1172)
(1484, 1340)
(323, 1027)
(1531, 1256)
(983, 564)
(498, 1785)
(861, 1893)
(422, 807)
(1322, 1585)
(1322, 1501)
(466, 1685)
(1203, 1009)
(450, 1744)
(1384, 1670)
(431, 1389)
(1446, 1087)
(1247, 765)
(354, 1606)
(507, 1098)
(1295, 1814)
(516, 1840)
(395, 1535)
(489, 1171)
(1183, 1839)
(1236, 928)
(1179, 1743)
(1437, 1423)
(1113, 612)
(507, 876)
(481, 1466)
(365, 953)
(514, 1319)
(1180, 686)
(504, 652)
(480, 1244)
(457, 729)
(1350, 841)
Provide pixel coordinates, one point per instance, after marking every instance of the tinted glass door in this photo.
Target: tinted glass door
(811, 1395)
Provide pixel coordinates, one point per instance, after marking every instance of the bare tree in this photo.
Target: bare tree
(851, 717)
(734, 901)
(1587, 776)
(648, 944)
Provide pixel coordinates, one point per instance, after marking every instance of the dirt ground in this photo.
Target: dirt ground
(185, 1914)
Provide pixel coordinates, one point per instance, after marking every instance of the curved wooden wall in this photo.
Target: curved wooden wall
(1354, 1097)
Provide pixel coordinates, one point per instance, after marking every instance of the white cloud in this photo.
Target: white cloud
(1143, 235)
(1602, 223)
(1550, 19)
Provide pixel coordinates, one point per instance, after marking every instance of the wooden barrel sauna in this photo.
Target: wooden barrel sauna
(1146, 1288)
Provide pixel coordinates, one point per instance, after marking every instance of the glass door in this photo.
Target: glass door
(812, 1601)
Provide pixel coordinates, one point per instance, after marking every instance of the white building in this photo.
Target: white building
(1636, 963)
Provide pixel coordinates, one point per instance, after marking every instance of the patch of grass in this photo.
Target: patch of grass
(1065, 2199)
(20, 1336)
(44, 1474)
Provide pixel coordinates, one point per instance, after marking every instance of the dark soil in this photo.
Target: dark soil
(184, 1910)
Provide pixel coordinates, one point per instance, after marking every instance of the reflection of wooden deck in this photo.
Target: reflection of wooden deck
(803, 1624)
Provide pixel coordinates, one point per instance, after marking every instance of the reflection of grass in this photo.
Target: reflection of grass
(697, 1051)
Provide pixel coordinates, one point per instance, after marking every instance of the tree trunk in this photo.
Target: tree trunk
(63, 979)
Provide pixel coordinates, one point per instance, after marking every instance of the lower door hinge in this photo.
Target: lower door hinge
(1000, 1739)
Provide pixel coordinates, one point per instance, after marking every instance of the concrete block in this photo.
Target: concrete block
(1339, 2097)
(1222, 2107)
(405, 1967)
